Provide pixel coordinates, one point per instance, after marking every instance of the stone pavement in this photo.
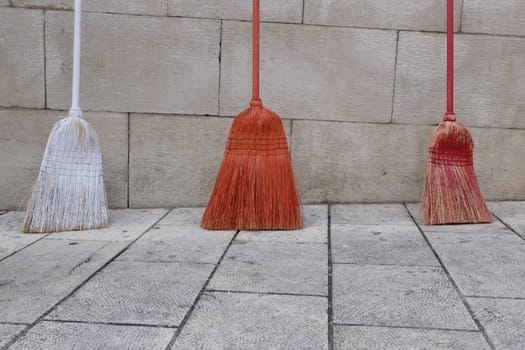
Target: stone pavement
(357, 277)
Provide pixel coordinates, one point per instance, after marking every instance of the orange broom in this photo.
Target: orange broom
(451, 193)
(255, 188)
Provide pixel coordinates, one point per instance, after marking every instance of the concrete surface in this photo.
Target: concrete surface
(364, 277)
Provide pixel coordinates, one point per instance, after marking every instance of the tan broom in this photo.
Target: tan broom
(451, 193)
(69, 193)
(255, 188)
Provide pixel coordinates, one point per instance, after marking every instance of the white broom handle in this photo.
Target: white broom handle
(77, 41)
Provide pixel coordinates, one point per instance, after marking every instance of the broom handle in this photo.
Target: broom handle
(75, 95)
(256, 100)
(450, 59)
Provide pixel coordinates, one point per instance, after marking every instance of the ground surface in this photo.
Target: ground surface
(357, 277)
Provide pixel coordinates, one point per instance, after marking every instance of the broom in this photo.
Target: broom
(69, 193)
(255, 188)
(451, 193)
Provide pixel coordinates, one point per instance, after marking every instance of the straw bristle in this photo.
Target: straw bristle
(69, 193)
(255, 188)
(451, 193)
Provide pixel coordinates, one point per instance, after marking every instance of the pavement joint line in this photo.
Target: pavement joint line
(80, 285)
(330, 310)
(27, 245)
(453, 282)
(508, 226)
(265, 293)
(120, 324)
(164, 262)
(201, 293)
(492, 297)
(407, 327)
(398, 265)
(14, 323)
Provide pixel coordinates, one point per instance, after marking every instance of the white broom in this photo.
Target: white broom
(69, 193)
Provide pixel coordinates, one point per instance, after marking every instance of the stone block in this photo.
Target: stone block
(398, 297)
(311, 72)
(494, 17)
(8, 332)
(180, 241)
(273, 268)
(427, 15)
(256, 322)
(139, 7)
(125, 225)
(315, 229)
(380, 245)
(136, 63)
(502, 320)
(498, 271)
(137, 293)
(11, 237)
(349, 162)
(38, 277)
(512, 214)
(380, 338)
(489, 80)
(23, 139)
(81, 336)
(22, 66)
(271, 10)
(370, 214)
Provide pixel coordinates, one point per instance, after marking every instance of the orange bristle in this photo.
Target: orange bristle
(451, 193)
(255, 188)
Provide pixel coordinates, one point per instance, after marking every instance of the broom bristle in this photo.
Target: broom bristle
(255, 188)
(451, 193)
(69, 193)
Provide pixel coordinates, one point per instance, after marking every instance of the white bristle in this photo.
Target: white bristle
(69, 193)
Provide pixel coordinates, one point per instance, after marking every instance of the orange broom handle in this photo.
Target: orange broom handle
(256, 100)
(450, 61)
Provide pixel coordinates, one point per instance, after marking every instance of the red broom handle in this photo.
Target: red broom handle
(450, 61)
(256, 100)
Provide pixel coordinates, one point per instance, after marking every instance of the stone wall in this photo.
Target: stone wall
(359, 84)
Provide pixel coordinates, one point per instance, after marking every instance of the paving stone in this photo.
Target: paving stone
(485, 264)
(8, 332)
(80, 336)
(22, 65)
(494, 227)
(370, 214)
(380, 245)
(315, 229)
(484, 61)
(38, 277)
(427, 15)
(136, 63)
(137, 293)
(397, 296)
(502, 320)
(311, 72)
(511, 213)
(125, 225)
(140, 7)
(256, 322)
(4, 2)
(23, 138)
(11, 237)
(383, 338)
(494, 17)
(271, 10)
(273, 267)
(180, 241)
